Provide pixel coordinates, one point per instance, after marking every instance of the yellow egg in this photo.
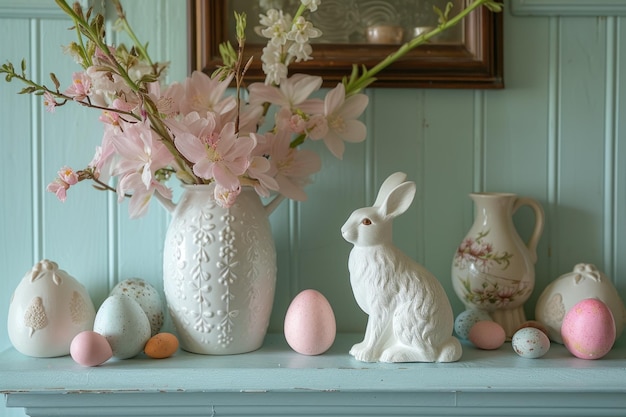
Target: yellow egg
(161, 345)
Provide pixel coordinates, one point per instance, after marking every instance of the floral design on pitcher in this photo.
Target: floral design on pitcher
(492, 294)
(481, 254)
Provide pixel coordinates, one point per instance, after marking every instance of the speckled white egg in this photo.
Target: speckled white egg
(148, 298)
(464, 321)
(121, 320)
(310, 325)
(530, 342)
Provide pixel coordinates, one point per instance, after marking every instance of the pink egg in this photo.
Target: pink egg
(588, 329)
(310, 326)
(487, 335)
(90, 349)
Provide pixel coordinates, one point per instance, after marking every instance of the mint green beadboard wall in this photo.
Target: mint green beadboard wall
(555, 133)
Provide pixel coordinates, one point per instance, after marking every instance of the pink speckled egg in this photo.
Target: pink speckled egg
(90, 349)
(487, 335)
(310, 326)
(588, 329)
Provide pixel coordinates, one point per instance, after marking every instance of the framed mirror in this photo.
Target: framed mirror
(363, 32)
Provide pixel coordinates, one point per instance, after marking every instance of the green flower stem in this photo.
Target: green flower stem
(298, 140)
(128, 29)
(157, 125)
(91, 33)
(299, 12)
(151, 110)
(36, 88)
(355, 85)
(87, 61)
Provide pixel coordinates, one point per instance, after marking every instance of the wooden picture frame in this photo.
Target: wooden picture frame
(475, 62)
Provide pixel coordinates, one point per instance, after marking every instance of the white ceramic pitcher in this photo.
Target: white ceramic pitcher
(493, 269)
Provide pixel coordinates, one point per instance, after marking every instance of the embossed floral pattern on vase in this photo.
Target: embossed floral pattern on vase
(219, 272)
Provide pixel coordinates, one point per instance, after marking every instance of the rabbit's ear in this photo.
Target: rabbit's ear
(389, 184)
(398, 200)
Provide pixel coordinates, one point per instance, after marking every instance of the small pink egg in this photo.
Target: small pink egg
(90, 349)
(310, 326)
(588, 329)
(487, 335)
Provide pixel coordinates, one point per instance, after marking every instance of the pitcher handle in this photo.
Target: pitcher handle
(272, 205)
(168, 204)
(539, 221)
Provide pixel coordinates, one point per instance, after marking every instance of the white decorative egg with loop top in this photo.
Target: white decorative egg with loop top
(584, 281)
(48, 308)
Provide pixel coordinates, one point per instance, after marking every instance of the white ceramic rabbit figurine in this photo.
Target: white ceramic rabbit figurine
(410, 317)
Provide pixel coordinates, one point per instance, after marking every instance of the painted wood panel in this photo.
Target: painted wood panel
(617, 253)
(16, 217)
(555, 133)
(514, 150)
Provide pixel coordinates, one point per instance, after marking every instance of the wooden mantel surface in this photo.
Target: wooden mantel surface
(483, 381)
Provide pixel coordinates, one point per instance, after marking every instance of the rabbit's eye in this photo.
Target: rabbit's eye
(366, 221)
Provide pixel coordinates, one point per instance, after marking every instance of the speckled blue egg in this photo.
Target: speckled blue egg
(467, 319)
(530, 342)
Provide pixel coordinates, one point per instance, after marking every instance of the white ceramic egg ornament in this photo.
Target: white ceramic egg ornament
(585, 281)
(48, 308)
(148, 298)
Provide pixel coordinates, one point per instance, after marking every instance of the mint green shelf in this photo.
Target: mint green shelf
(277, 381)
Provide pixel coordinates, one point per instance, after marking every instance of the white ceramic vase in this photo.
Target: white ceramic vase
(219, 271)
(493, 269)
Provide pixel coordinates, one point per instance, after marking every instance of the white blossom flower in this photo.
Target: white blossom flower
(273, 67)
(277, 26)
(302, 30)
(311, 4)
